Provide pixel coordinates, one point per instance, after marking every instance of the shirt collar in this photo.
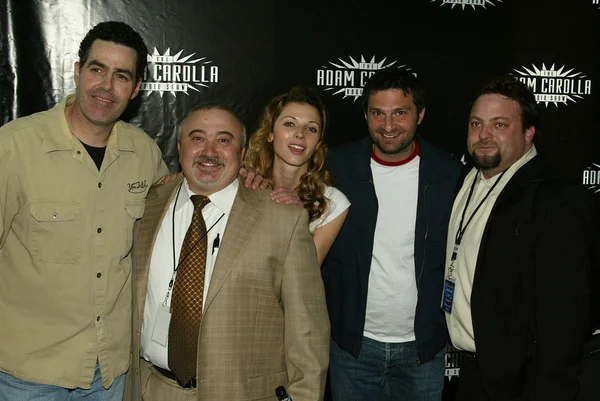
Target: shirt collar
(59, 137)
(416, 152)
(530, 154)
(222, 200)
(122, 139)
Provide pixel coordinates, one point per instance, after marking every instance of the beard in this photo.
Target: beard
(208, 180)
(487, 162)
(391, 148)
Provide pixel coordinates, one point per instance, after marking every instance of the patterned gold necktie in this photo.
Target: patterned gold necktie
(186, 304)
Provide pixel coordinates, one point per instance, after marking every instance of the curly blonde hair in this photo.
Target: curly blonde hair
(260, 154)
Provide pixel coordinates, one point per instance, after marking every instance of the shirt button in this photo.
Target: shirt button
(99, 275)
(98, 319)
(99, 185)
(99, 230)
(54, 215)
(78, 152)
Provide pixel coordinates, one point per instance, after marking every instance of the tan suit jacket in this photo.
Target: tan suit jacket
(265, 322)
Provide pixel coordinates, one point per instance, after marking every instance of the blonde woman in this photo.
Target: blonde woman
(289, 149)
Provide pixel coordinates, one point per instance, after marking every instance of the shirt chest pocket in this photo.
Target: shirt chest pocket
(134, 210)
(56, 231)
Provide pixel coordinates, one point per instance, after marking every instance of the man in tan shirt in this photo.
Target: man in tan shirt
(73, 181)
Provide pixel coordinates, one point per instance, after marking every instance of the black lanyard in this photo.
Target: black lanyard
(461, 230)
(181, 259)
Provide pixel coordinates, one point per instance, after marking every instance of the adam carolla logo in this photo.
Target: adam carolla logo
(453, 360)
(465, 3)
(591, 178)
(166, 73)
(552, 85)
(347, 78)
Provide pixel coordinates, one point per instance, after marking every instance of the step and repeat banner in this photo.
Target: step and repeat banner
(245, 52)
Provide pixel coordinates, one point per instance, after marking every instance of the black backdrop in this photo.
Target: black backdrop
(245, 52)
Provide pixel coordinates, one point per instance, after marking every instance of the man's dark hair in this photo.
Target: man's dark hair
(121, 34)
(394, 78)
(519, 92)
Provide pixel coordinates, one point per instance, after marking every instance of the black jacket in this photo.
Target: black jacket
(346, 269)
(530, 301)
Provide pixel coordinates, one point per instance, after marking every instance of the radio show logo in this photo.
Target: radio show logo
(591, 178)
(452, 362)
(468, 3)
(177, 74)
(552, 85)
(347, 78)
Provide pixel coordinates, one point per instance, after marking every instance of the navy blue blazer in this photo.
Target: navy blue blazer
(347, 266)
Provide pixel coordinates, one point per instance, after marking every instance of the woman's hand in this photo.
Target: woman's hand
(286, 195)
(253, 180)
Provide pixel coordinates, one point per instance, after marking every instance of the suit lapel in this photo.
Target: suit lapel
(243, 220)
(535, 170)
(157, 203)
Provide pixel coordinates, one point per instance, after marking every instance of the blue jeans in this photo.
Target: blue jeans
(13, 389)
(385, 371)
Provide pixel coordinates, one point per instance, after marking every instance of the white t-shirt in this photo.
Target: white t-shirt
(336, 204)
(392, 292)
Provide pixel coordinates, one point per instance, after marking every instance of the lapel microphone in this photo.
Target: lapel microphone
(215, 244)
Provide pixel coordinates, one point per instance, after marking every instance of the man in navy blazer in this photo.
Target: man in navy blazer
(383, 275)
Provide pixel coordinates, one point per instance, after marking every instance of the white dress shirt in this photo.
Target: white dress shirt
(162, 265)
(459, 321)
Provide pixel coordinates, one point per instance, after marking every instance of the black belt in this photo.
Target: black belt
(468, 354)
(169, 375)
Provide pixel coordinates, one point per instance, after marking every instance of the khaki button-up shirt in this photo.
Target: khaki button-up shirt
(65, 240)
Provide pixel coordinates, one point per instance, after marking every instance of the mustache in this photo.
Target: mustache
(209, 159)
(392, 132)
(484, 143)
(103, 93)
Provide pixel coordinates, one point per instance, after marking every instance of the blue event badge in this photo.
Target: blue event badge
(448, 295)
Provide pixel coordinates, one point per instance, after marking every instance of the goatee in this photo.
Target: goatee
(487, 162)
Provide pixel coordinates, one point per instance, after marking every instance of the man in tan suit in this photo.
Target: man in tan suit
(253, 316)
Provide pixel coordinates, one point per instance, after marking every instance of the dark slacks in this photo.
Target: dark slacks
(470, 387)
(589, 378)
